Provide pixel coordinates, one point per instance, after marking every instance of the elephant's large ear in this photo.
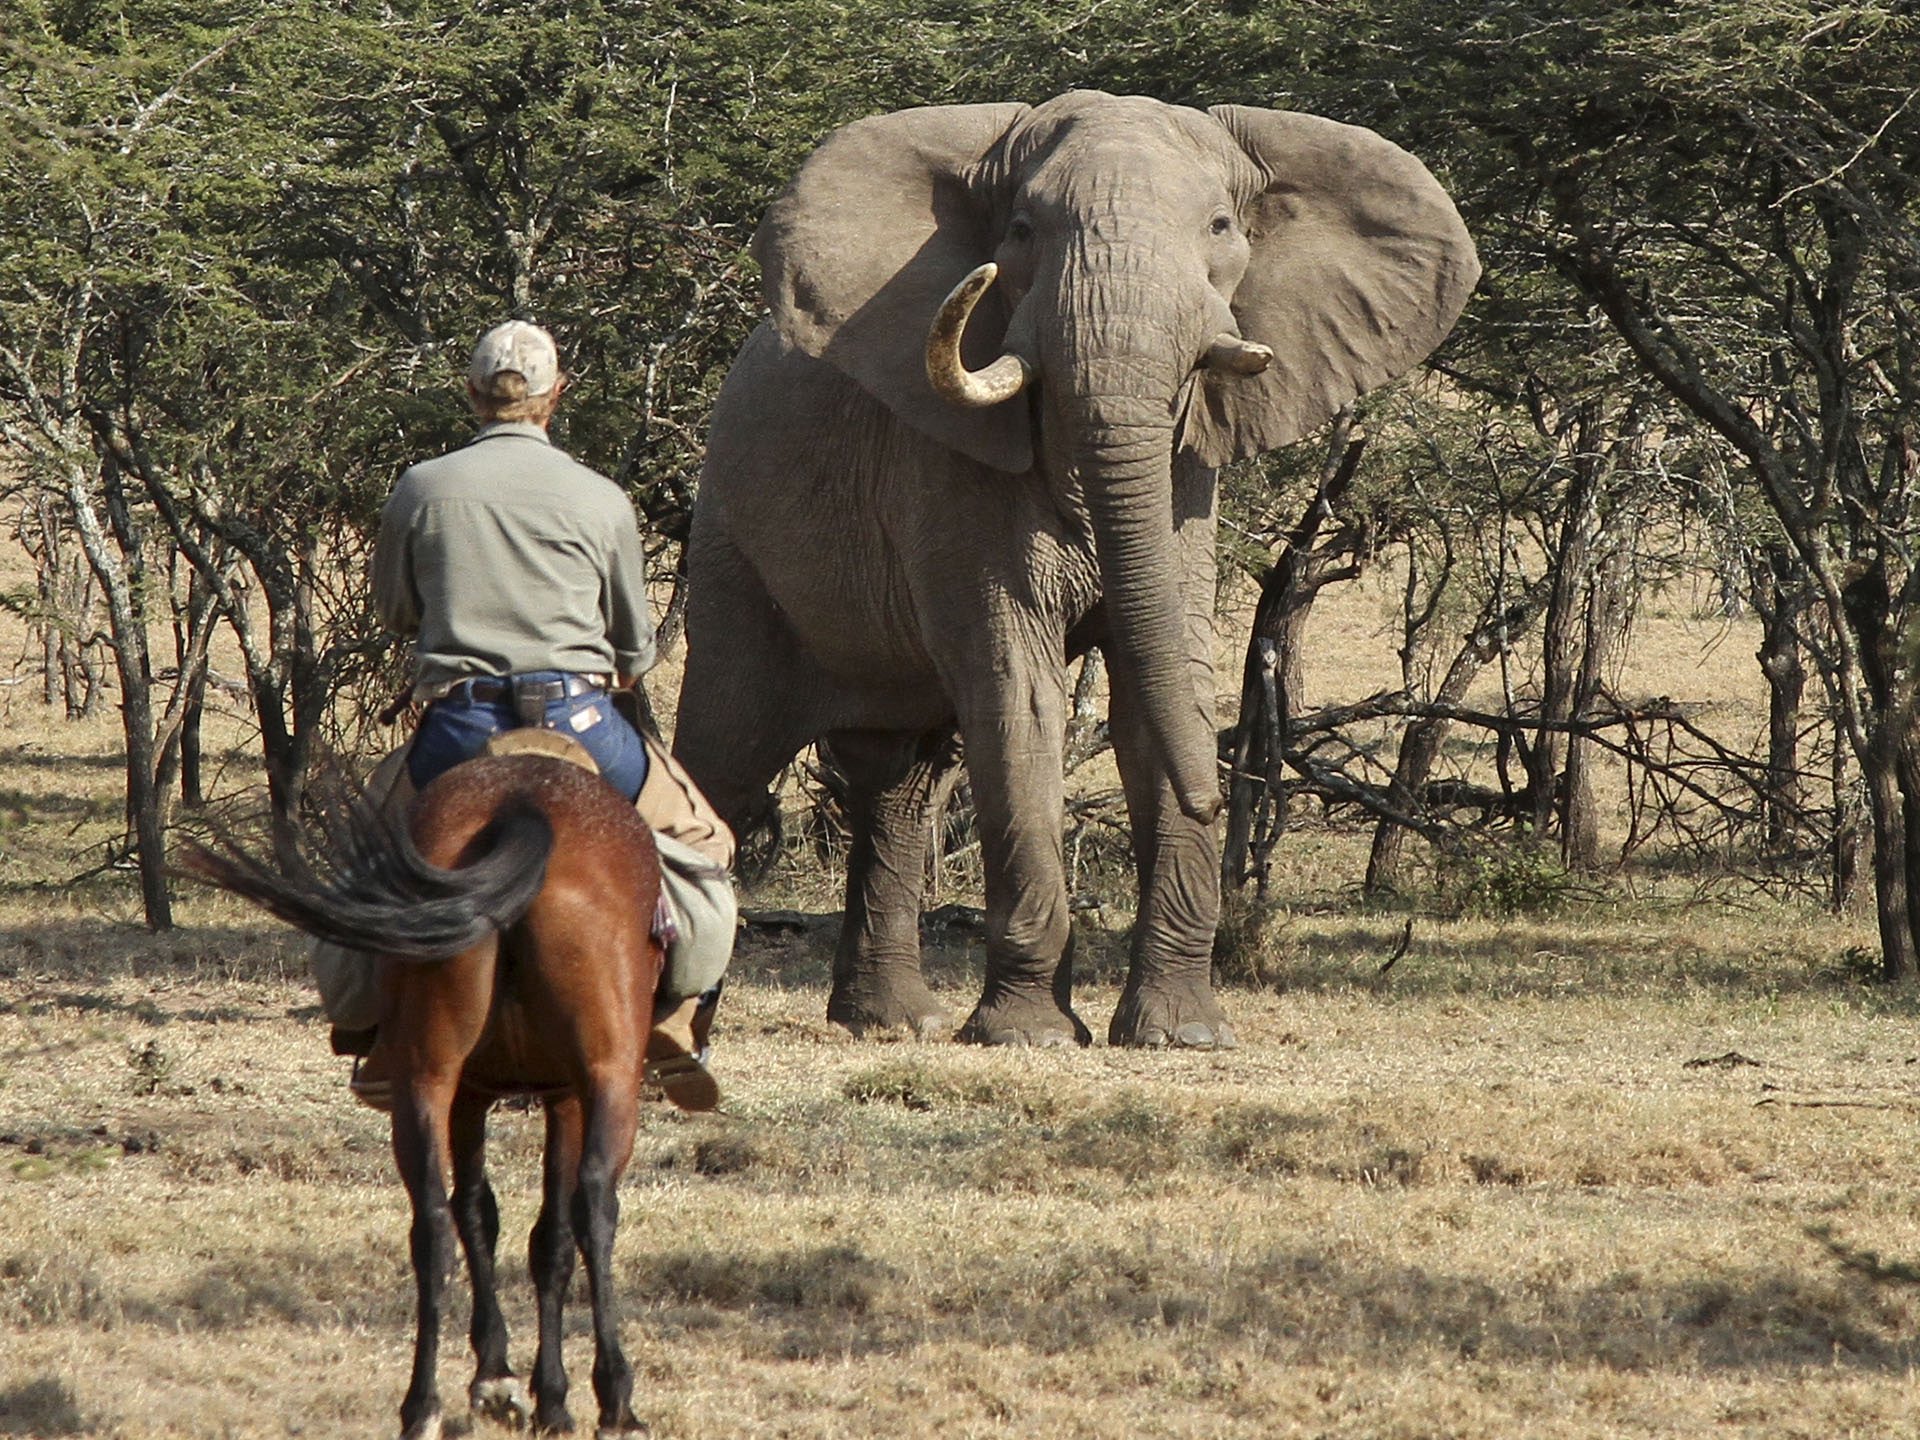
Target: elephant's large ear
(857, 254)
(1360, 266)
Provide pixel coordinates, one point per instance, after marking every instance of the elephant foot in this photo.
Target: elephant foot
(1009, 1016)
(1176, 1013)
(891, 1001)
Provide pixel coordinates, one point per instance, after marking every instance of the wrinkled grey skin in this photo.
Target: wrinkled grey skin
(872, 566)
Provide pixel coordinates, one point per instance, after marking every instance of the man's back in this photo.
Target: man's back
(507, 555)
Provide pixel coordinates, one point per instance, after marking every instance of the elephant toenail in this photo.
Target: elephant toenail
(1194, 1036)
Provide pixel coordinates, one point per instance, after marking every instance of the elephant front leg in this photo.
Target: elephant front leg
(1015, 761)
(1168, 999)
(894, 783)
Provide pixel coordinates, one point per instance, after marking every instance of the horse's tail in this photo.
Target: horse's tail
(358, 880)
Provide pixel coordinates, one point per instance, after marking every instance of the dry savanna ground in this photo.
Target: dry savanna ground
(1633, 1168)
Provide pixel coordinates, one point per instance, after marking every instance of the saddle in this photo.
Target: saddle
(532, 740)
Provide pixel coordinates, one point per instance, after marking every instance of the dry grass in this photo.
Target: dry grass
(1459, 1209)
(1489, 1194)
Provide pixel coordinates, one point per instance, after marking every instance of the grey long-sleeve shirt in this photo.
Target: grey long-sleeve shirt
(508, 555)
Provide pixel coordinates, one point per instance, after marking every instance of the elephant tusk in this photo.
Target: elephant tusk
(975, 389)
(1231, 354)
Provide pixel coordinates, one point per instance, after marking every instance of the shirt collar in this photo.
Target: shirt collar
(511, 427)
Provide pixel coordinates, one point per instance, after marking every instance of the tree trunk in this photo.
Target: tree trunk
(1844, 848)
(1420, 746)
(1607, 607)
(117, 565)
(1387, 859)
(1907, 773)
(193, 791)
(1083, 714)
(1273, 674)
(1887, 765)
(194, 677)
(1781, 599)
(1560, 640)
(1887, 809)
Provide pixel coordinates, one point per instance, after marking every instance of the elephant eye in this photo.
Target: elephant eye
(1020, 228)
(1222, 224)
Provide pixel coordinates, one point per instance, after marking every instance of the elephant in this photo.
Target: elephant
(1009, 347)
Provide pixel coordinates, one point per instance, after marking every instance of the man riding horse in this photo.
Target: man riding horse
(518, 573)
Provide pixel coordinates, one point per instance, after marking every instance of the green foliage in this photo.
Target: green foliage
(1502, 881)
(918, 1086)
(907, 1084)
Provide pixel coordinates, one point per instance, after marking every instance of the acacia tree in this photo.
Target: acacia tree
(1735, 188)
(86, 181)
(247, 250)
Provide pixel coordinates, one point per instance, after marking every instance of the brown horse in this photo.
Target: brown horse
(512, 920)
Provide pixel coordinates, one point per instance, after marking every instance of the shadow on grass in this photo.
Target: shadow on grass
(25, 807)
(1593, 950)
(34, 758)
(793, 949)
(91, 950)
(1295, 1305)
(40, 1406)
(1549, 958)
(1303, 1306)
(310, 1286)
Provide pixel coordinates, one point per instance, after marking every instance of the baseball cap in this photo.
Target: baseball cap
(517, 346)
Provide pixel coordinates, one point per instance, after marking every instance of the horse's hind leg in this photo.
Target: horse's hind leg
(420, 1150)
(596, 1214)
(494, 1392)
(550, 1257)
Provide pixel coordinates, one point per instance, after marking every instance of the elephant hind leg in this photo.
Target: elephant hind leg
(894, 783)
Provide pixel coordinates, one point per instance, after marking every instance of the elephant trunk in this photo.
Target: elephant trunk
(1125, 473)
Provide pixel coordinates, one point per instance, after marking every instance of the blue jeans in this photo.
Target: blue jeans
(458, 727)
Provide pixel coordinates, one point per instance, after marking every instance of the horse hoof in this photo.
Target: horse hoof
(427, 1427)
(502, 1400)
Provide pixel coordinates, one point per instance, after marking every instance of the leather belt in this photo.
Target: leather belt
(488, 689)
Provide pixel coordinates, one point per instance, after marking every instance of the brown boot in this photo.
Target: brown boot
(674, 1060)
